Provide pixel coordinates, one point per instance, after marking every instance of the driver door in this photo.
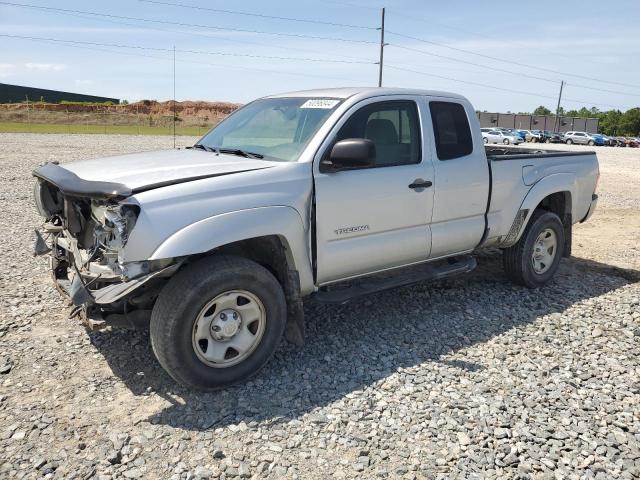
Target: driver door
(375, 218)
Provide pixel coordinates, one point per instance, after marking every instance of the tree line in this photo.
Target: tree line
(610, 122)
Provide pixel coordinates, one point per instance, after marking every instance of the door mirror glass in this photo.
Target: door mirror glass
(351, 153)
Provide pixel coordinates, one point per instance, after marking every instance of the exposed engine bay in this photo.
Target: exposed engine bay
(86, 236)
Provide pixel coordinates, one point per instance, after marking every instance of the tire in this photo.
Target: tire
(548, 140)
(518, 260)
(189, 295)
(591, 143)
(569, 142)
(486, 140)
(506, 141)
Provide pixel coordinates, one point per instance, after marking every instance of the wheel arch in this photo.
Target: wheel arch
(554, 193)
(272, 236)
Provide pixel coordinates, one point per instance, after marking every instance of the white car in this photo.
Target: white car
(496, 136)
(579, 138)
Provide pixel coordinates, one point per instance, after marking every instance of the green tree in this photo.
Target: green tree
(630, 122)
(610, 122)
(542, 110)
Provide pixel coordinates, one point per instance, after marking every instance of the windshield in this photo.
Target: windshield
(279, 128)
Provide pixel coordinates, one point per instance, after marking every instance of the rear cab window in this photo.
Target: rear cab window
(451, 130)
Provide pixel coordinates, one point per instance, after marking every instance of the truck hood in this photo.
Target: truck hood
(148, 170)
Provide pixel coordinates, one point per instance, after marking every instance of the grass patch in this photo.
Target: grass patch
(17, 127)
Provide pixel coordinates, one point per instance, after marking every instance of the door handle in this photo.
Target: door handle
(419, 184)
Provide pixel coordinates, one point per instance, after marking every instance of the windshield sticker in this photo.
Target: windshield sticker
(320, 103)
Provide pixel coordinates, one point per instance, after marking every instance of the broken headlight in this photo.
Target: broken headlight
(113, 225)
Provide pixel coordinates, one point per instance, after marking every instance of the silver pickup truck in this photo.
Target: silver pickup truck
(332, 194)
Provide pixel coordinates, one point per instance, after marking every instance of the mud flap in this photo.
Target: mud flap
(294, 329)
(568, 235)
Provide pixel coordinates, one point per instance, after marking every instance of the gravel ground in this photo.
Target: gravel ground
(470, 378)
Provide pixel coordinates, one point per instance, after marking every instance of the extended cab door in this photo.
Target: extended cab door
(461, 181)
(374, 218)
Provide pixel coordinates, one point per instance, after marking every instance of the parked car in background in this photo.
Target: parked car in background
(617, 141)
(631, 142)
(552, 137)
(601, 138)
(536, 136)
(499, 136)
(546, 136)
(581, 138)
(521, 133)
(529, 135)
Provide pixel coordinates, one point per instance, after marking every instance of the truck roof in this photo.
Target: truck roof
(346, 92)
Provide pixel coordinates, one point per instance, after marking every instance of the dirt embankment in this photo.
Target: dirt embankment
(186, 111)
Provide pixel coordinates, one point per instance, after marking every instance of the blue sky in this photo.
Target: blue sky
(594, 41)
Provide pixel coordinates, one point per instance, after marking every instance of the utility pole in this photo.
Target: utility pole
(174, 96)
(382, 45)
(555, 124)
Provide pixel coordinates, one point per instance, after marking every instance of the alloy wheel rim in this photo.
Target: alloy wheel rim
(228, 328)
(544, 251)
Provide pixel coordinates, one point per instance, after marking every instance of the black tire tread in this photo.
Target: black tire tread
(181, 285)
(512, 257)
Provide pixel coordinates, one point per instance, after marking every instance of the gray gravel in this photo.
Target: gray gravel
(470, 378)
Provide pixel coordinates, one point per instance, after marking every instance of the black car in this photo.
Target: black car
(551, 137)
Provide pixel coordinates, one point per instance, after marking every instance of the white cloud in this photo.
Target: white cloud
(47, 67)
(5, 69)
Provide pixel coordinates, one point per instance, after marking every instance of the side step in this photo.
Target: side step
(397, 278)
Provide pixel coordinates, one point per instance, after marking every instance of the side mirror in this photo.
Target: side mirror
(351, 153)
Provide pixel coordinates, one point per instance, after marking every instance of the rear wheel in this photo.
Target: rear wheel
(506, 141)
(217, 321)
(535, 258)
(486, 140)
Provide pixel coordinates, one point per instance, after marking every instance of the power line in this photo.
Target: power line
(468, 82)
(198, 52)
(493, 87)
(201, 63)
(260, 15)
(511, 72)
(509, 61)
(202, 35)
(184, 24)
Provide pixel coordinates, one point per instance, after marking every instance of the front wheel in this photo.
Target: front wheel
(534, 259)
(217, 322)
(569, 142)
(486, 140)
(591, 143)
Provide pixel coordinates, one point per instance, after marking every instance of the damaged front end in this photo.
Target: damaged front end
(86, 231)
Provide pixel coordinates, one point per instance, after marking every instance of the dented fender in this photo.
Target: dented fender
(219, 230)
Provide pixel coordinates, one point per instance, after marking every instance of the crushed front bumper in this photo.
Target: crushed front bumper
(79, 294)
(75, 286)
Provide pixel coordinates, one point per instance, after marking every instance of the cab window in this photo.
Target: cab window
(451, 130)
(392, 126)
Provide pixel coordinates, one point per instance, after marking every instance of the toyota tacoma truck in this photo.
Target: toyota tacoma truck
(330, 194)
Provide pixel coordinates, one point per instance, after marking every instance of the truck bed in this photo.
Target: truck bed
(495, 153)
(528, 169)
